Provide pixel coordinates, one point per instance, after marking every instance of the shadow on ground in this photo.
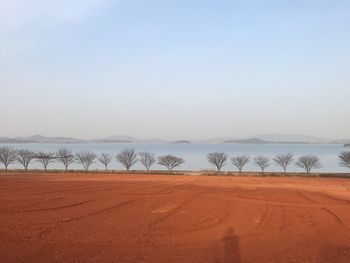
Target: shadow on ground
(231, 247)
(331, 253)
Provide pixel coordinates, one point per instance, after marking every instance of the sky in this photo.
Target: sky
(181, 69)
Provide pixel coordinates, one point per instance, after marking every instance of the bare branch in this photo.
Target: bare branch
(86, 159)
(284, 160)
(344, 159)
(24, 157)
(45, 158)
(127, 157)
(65, 157)
(105, 159)
(240, 161)
(7, 156)
(217, 159)
(147, 159)
(308, 162)
(262, 162)
(170, 161)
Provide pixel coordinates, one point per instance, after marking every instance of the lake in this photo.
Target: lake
(195, 154)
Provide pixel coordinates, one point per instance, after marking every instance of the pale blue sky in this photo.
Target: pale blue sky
(174, 69)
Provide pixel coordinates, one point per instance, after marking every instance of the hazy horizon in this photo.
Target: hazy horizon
(174, 69)
(264, 136)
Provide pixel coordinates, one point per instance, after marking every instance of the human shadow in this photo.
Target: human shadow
(335, 253)
(231, 247)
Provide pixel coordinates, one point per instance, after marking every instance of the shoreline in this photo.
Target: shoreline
(179, 172)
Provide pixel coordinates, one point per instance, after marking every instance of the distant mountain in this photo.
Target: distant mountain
(290, 138)
(275, 138)
(214, 140)
(257, 139)
(39, 139)
(127, 139)
(118, 138)
(9, 140)
(248, 141)
(181, 141)
(341, 141)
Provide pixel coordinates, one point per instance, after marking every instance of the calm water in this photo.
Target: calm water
(195, 154)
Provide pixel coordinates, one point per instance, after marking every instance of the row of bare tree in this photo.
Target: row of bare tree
(129, 157)
(307, 162)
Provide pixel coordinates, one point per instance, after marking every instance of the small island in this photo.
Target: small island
(347, 145)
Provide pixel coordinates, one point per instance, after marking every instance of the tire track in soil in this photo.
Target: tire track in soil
(90, 188)
(84, 189)
(165, 191)
(305, 197)
(196, 229)
(8, 210)
(150, 230)
(54, 208)
(335, 216)
(149, 185)
(58, 223)
(347, 187)
(152, 185)
(337, 219)
(280, 203)
(152, 233)
(262, 220)
(171, 189)
(338, 199)
(67, 220)
(104, 188)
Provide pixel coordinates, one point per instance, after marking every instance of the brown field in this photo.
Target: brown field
(167, 218)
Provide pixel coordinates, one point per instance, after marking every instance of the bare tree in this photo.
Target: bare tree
(344, 159)
(284, 160)
(45, 158)
(170, 161)
(127, 157)
(262, 162)
(147, 159)
(217, 159)
(65, 156)
(240, 161)
(308, 162)
(24, 157)
(86, 159)
(7, 156)
(105, 159)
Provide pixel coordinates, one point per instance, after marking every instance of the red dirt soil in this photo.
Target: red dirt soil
(166, 218)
